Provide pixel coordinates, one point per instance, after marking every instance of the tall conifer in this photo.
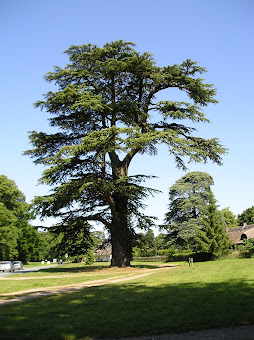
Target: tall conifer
(104, 110)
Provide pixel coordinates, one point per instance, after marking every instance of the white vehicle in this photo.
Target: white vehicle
(17, 265)
(6, 265)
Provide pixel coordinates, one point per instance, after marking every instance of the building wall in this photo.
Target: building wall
(103, 258)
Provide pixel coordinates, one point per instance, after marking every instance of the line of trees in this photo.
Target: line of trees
(193, 224)
(20, 240)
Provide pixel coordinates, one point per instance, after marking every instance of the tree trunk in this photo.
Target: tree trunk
(121, 235)
(121, 256)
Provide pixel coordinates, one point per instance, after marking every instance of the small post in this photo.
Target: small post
(190, 261)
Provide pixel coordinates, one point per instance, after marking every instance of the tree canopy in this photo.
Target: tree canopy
(247, 216)
(189, 197)
(145, 244)
(18, 239)
(193, 219)
(106, 112)
(211, 238)
(229, 218)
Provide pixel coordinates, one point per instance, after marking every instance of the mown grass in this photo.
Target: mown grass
(10, 286)
(37, 264)
(64, 275)
(210, 294)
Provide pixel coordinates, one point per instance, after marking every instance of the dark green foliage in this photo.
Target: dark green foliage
(246, 217)
(103, 109)
(30, 244)
(145, 245)
(75, 240)
(189, 198)
(193, 221)
(50, 243)
(211, 238)
(248, 249)
(18, 239)
(9, 233)
(161, 241)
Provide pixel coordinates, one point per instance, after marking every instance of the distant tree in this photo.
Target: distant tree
(98, 238)
(247, 216)
(14, 216)
(18, 239)
(160, 241)
(193, 219)
(149, 238)
(103, 112)
(145, 244)
(9, 233)
(56, 244)
(30, 244)
(163, 241)
(50, 242)
(189, 198)
(12, 197)
(211, 238)
(229, 217)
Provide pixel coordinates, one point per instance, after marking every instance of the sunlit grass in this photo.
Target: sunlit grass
(38, 264)
(64, 275)
(209, 294)
(8, 286)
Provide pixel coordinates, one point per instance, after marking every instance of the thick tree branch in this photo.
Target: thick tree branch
(126, 161)
(111, 203)
(99, 218)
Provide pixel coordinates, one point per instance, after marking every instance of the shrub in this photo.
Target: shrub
(147, 252)
(248, 249)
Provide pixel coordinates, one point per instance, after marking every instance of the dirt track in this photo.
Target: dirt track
(40, 292)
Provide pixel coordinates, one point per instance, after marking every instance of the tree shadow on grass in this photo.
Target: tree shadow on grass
(90, 268)
(66, 269)
(149, 266)
(131, 309)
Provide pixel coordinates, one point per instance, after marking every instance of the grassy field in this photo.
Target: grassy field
(37, 264)
(207, 295)
(68, 274)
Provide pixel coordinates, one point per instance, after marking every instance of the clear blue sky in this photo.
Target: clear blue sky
(218, 34)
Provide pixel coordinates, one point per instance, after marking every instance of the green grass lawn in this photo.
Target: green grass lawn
(68, 274)
(37, 264)
(209, 294)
